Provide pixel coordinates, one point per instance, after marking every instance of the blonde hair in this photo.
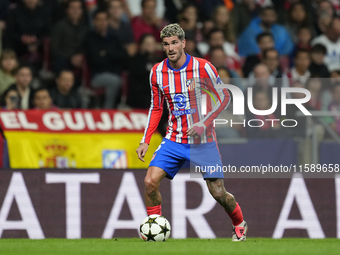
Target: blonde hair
(173, 30)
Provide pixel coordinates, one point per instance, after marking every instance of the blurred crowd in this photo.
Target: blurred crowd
(71, 54)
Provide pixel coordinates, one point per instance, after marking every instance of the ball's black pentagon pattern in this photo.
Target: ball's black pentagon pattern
(150, 236)
(151, 221)
(155, 228)
(165, 230)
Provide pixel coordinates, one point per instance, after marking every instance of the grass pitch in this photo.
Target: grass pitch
(135, 246)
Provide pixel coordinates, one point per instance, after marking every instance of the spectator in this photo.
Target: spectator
(191, 46)
(291, 111)
(298, 17)
(264, 41)
(277, 78)
(63, 95)
(8, 67)
(24, 79)
(335, 76)
(106, 56)
(224, 74)
(173, 8)
(262, 102)
(336, 6)
(91, 4)
(331, 40)
(59, 10)
(282, 8)
(139, 73)
(188, 21)
(224, 132)
(43, 100)
(317, 67)
(265, 23)
(314, 85)
(207, 27)
(262, 81)
(223, 22)
(300, 71)
(219, 59)
(327, 96)
(68, 37)
(10, 100)
(267, 129)
(304, 36)
(242, 14)
(335, 107)
(134, 7)
(262, 78)
(148, 22)
(271, 59)
(325, 14)
(216, 39)
(120, 26)
(208, 7)
(27, 25)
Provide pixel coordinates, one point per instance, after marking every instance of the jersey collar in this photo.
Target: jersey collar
(182, 67)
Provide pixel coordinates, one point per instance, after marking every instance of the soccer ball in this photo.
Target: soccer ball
(155, 228)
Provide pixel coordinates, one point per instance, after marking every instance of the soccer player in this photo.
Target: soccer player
(184, 141)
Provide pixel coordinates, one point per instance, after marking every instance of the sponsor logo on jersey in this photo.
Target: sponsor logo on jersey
(183, 112)
(180, 101)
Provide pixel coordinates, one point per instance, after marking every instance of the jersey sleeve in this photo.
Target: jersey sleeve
(156, 108)
(223, 94)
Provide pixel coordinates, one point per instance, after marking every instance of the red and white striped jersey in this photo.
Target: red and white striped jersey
(176, 87)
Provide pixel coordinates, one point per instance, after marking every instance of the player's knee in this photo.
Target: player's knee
(223, 196)
(217, 195)
(230, 198)
(150, 184)
(220, 194)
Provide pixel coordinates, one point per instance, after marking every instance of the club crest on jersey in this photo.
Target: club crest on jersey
(188, 82)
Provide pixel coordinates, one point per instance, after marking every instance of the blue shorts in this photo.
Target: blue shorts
(170, 156)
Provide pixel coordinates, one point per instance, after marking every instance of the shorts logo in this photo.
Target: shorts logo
(114, 159)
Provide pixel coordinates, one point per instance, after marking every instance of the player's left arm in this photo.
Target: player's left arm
(199, 127)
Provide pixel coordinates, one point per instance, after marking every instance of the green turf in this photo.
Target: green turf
(253, 246)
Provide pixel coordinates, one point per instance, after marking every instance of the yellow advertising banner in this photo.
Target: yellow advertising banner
(109, 148)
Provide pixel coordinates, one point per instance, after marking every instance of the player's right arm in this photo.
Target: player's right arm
(155, 114)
